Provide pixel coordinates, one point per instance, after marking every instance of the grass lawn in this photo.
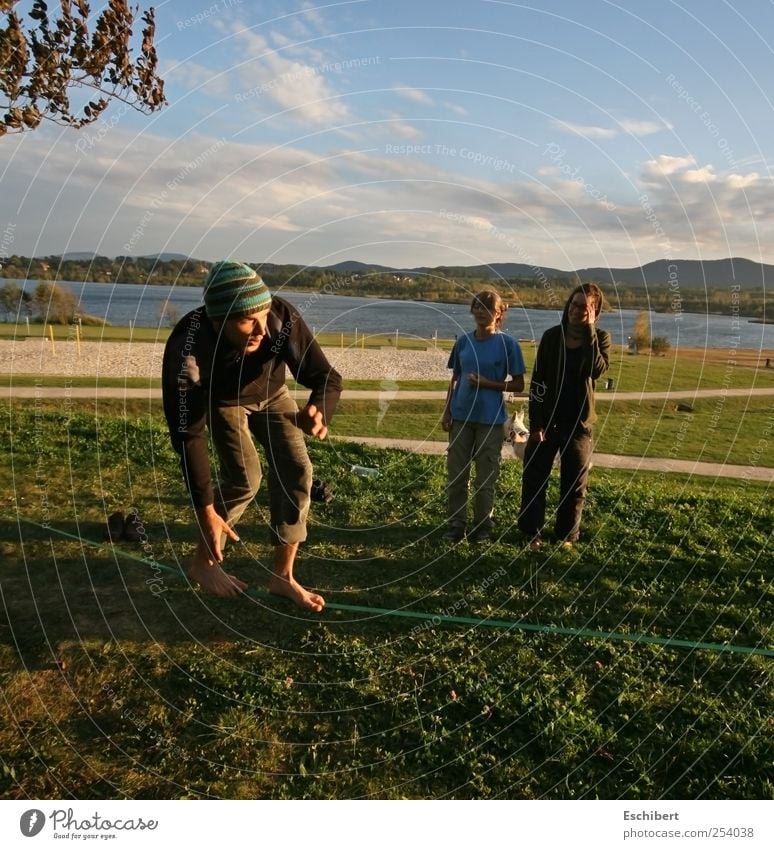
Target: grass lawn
(110, 333)
(120, 681)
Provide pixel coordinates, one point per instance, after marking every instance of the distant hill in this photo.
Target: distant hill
(353, 267)
(166, 257)
(688, 273)
(495, 270)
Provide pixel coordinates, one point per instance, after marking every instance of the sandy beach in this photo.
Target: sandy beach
(143, 359)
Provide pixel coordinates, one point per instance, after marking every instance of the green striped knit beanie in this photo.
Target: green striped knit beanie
(233, 289)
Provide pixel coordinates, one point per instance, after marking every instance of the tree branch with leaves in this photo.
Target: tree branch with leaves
(40, 66)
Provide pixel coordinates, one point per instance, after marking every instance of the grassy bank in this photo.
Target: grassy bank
(110, 333)
(119, 681)
(720, 430)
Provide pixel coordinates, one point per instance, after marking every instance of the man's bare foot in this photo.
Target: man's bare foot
(212, 579)
(290, 588)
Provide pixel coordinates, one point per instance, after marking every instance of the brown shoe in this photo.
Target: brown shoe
(114, 528)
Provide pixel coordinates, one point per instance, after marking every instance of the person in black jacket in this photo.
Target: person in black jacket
(224, 371)
(571, 357)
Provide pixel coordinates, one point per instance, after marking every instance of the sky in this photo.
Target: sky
(560, 133)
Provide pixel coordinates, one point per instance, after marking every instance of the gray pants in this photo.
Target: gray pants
(482, 445)
(290, 472)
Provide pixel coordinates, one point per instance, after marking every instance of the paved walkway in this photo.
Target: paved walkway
(604, 461)
(609, 461)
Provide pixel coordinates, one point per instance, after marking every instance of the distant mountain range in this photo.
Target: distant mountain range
(684, 273)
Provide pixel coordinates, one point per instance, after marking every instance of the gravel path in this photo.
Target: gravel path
(143, 359)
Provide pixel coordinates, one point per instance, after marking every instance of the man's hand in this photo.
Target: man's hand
(446, 420)
(310, 421)
(537, 436)
(211, 528)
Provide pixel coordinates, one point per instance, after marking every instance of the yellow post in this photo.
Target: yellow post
(51, 337)
(78, 339)
(362, 341)
(342, 341)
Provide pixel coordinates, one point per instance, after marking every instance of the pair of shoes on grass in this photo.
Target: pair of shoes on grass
(321, 491)
(455, 534)
(123, 528)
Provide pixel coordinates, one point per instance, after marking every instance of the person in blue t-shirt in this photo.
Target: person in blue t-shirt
(485, 364)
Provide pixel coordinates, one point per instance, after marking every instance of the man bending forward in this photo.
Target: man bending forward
(224, 371)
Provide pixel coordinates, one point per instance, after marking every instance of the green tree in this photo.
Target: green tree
(52, 304)
(10, 299)
(641, 331)
(40, 65)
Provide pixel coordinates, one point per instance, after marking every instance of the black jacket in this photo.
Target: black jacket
(549, 371)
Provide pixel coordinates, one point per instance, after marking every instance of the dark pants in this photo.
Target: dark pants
(574, 462)
(233, 430)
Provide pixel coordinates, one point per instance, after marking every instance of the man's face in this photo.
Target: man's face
(245, 333)
(582, 309)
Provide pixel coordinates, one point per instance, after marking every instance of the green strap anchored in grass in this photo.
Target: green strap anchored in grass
(440, 619)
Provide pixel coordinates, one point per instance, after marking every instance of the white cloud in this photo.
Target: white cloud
(664, 165)
(699, 175)
(280, 39)
(195, 77)
(625, 126)
(643, 128)
(296, 86)
(398, 127)
(746, 181)
(689, 209)
(589, 132)
(212, 196)
(414, 94)
(456, 108)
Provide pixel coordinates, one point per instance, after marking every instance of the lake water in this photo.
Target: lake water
(144, 306)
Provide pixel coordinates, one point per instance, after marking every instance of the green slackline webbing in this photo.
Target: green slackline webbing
(438, 619)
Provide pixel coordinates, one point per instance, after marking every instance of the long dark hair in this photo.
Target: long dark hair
(593, 294)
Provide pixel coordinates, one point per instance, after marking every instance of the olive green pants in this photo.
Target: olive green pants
(479, 445)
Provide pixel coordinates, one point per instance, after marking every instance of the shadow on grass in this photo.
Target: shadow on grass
(59, 592)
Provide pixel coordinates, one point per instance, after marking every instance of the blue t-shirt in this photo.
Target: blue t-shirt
(497, 357)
